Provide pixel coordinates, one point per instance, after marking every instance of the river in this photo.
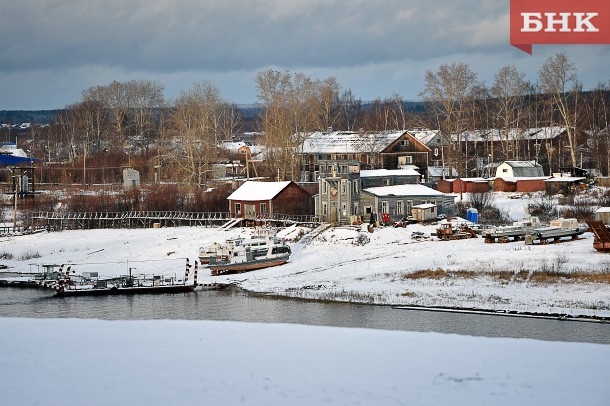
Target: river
(237, 305)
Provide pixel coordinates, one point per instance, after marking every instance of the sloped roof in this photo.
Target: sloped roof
(349, 142)
(425, 136)
(424, 206)
(372, 173)
(524, 169)
(537, 134)
(403, 190)
(437, 171)
(252, 191)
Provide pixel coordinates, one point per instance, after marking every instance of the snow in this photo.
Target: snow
(403, 190)
(344, 263)
(388, 172)
(564, 179)
(95, 362)
(76, 362)
(252, 191)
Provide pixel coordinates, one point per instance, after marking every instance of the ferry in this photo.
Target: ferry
(248, 254)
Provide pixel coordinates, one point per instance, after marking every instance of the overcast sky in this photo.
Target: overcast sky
(53, 50)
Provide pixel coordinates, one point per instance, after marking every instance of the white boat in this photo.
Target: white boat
(248, 254)
(516, 231)
(557, 229)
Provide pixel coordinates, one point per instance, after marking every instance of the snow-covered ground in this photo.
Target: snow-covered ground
(93, 362)
(346, 263)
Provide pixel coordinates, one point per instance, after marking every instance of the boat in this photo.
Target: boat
(207, 253)
(555, 231)
(248, 254)
(516, 231)
(601, 242)
(66, 283)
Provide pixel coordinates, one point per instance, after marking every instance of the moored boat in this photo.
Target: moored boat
(243, 255)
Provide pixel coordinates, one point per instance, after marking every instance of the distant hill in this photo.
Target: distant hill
(250, 113)
(27, 116)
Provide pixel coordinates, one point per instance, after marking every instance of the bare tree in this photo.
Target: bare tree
(349, 110)
(508, 90)
(294, 105)
(559, 81)
(447, 93)
(198, 122)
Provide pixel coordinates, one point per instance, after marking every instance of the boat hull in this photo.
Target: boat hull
(224, 268)
(133, 290)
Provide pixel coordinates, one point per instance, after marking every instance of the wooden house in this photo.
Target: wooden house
(254, 200)
(374, 150)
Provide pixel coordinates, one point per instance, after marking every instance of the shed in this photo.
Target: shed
(562, 184)
(603, 214)
(254, 200)
(399, 200)
(464, 185)
(519, 169)
(424, 212)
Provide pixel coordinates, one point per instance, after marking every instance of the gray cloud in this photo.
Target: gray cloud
(375, 48)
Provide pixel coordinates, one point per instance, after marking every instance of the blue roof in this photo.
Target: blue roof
(11, 160)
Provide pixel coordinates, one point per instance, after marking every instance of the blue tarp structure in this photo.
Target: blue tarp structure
(12, 160)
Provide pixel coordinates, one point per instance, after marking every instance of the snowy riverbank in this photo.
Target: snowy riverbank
(76, 362)
(350, 264)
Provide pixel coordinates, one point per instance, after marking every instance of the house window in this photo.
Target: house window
(399, 207)
(368, 209)
(324, 187)
(324, 209)
(238, 208)
(386, 182)
(355, 187)
(263, 208)
(343, 187)
(409, 205)
(505, 170)
(385, 207)
(435, 151)
(344, 209)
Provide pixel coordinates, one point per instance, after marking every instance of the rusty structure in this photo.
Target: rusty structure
(601, 242)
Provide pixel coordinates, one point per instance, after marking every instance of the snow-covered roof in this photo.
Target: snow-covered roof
(517, 178)
(541, 133)
(603, 210)
(523, 169)
(425, 136)
(565, 179)
(424, 206)
(522, 164)
(253, 191)
(437, 171)
(403, 190)
(349, 142)
(372, 173)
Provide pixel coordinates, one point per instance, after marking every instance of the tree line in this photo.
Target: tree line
(133, 124)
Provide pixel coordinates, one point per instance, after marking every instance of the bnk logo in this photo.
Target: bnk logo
(559, 22)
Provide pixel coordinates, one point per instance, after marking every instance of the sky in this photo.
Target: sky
(52, 51)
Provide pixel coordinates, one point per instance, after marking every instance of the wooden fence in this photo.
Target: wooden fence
(54, 221)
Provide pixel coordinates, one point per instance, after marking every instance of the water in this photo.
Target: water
(232, 304)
